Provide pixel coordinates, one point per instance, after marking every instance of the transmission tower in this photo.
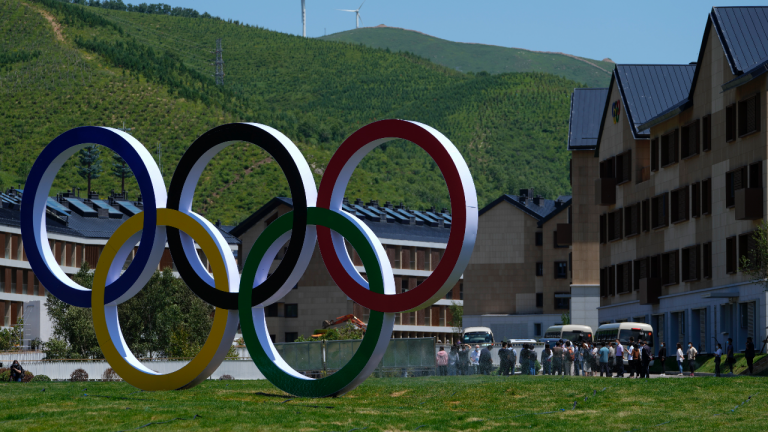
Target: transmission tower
(218, 64)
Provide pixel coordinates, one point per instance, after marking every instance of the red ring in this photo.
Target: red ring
(414, 299)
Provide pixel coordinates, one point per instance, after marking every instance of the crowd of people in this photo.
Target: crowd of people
(580, 359)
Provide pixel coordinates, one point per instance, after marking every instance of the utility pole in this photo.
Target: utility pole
(125, 129)
(304, 18)
(218, 64)
(160, 156)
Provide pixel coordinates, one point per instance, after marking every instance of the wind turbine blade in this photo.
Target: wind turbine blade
(361, 4)
(346, 10)
(360, 17)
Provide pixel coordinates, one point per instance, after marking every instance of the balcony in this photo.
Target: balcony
(642, 174)
(650, 290)
(563, 235)
(749, 203)
(605, 191)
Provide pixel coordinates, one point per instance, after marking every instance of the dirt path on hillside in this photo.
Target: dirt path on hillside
(55, 24)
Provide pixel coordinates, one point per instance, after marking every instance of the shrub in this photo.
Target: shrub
(226, 377)
(79, 375)
(5, 375)
(28, 376)
(110, 375)
(40, 378)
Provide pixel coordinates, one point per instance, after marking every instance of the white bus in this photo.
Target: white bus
(574, 333)
(623, 331)
(482, 336)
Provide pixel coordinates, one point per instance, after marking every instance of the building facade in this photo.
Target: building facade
(414, 241)
(517, 282)
(681, 188)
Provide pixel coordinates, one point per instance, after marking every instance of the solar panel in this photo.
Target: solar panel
(367, 213)
(128, 207)
(395, 215)
(112, 211)
(408, 215)
(54, 205)
(423, 216)
(348, 209)
(80, 207)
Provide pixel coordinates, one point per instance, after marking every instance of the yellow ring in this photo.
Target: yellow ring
(193, 370)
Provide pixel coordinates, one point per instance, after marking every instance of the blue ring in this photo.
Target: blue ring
(111, 139)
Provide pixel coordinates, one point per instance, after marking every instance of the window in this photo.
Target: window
(670, 268)
(539, 300)
(646, 219)
(539, 269)
(756, 175)
(611, 280)
(614, 225)
(706, 196)
(749, 115)
(691, 261)
(696, 200)
(655, 154)
(656, 266)
(448, 295)
(734, 180)
(642, 271)
(604, 282)
(706, 251)
(271, 310)
(561, 301)
(679, 205)
(642, 161)
(669, 145)
(624, 277)
(397, 257)
(730, 123)
(747, 248)
(404, 285)
(561, 270)
(689, 140)
(660, 216)
(554, 241)
(632, 220)
(426, 316)
(602, 228)
(730, 255)
(539, 239)
(537, 329)
(412, 259)
(291, 336)
(291, 310)
(624, 167)
(607, 168)
(706, 132)
(461, 290)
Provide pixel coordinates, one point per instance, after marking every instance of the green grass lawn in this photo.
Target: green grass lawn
(397, 404)
(706, 364)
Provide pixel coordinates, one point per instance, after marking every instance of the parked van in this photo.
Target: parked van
(623, 331)
(477, 336)
(573, 333)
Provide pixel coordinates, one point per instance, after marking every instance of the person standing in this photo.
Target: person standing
(486, 361)
(619, 359)
(569, 357)
(512, 359)
(679, 356)
(531, 360)
(612, 358)
(474, 359)
(749, 354)
(17, 372)
(463, 359)
(587, 360)
(546, 360)
(557, 359)
(578, 359)
(692, 352)
(718, 357)
(442, 362)
(503, 358)
(645, 359)
(729, 357)
(604, 354)
(663, 357)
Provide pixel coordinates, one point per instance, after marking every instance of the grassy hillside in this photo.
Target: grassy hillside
(469, 57)
(70, 65)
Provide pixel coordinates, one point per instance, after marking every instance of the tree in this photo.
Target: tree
(457, 318)
(565, 318)
(348, 332)
(121, 170)
(90, 164)
(755, 263)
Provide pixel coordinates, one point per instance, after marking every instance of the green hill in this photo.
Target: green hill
(468, 57)
(64, 65)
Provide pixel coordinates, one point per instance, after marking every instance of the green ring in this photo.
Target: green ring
(338, 382)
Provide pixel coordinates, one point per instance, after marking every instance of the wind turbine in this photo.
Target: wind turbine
(304, 17)
(357, 14)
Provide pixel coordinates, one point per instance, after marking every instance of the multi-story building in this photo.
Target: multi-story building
(517, 282)
(77, 229)
(682, 187)
(587, 105)
(414, 241)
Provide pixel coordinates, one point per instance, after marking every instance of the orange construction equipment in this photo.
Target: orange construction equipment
(346, 318)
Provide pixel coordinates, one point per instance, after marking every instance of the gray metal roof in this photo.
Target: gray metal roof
(586, 111)
(545, 210)
(743, 33)
(649, 90)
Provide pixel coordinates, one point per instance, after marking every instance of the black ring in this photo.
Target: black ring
(281, 155)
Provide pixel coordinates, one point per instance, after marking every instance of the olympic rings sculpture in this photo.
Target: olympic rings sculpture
(316, 217)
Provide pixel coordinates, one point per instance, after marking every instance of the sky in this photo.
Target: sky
(627, 32)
